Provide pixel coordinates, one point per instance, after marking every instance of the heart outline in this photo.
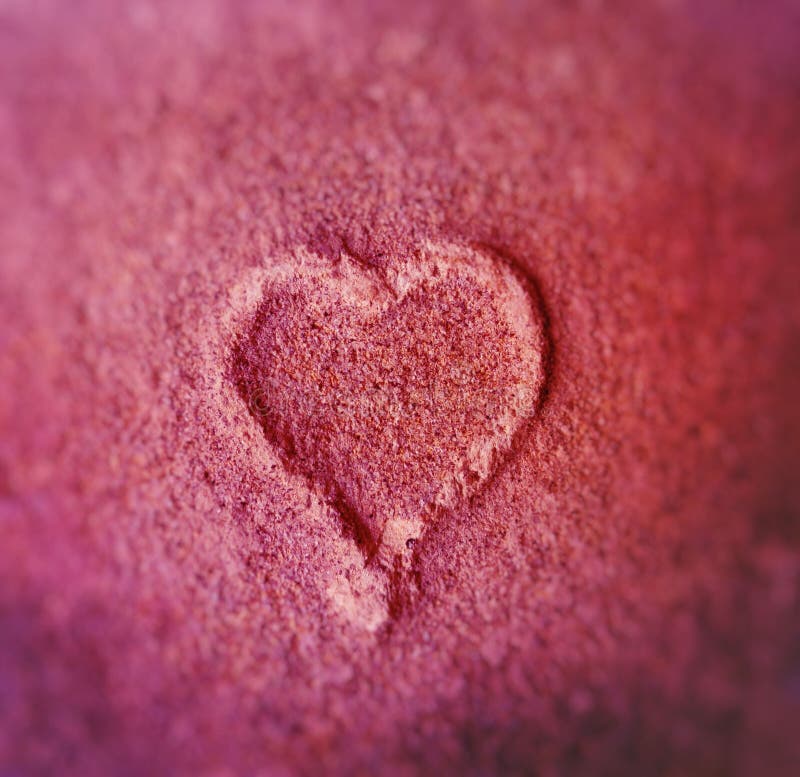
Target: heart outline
(403, 569)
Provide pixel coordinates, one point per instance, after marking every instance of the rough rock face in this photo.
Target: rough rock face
(221, 223)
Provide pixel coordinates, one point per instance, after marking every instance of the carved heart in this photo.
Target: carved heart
(399, 392)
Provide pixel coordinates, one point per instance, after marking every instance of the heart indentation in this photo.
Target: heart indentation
(399, 392)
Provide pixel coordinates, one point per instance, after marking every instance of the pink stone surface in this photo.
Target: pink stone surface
(616, 594)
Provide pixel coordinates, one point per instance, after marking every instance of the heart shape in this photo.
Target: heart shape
(398, 391)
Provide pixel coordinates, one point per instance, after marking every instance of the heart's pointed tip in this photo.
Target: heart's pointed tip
(398, 538)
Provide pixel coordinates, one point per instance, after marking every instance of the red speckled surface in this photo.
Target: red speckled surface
(400, 391)
(620, 596)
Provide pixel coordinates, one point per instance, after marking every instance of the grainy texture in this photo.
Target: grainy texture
(621, 597)
(399, 392)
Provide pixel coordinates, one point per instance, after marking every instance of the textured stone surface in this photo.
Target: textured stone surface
(620, 598)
